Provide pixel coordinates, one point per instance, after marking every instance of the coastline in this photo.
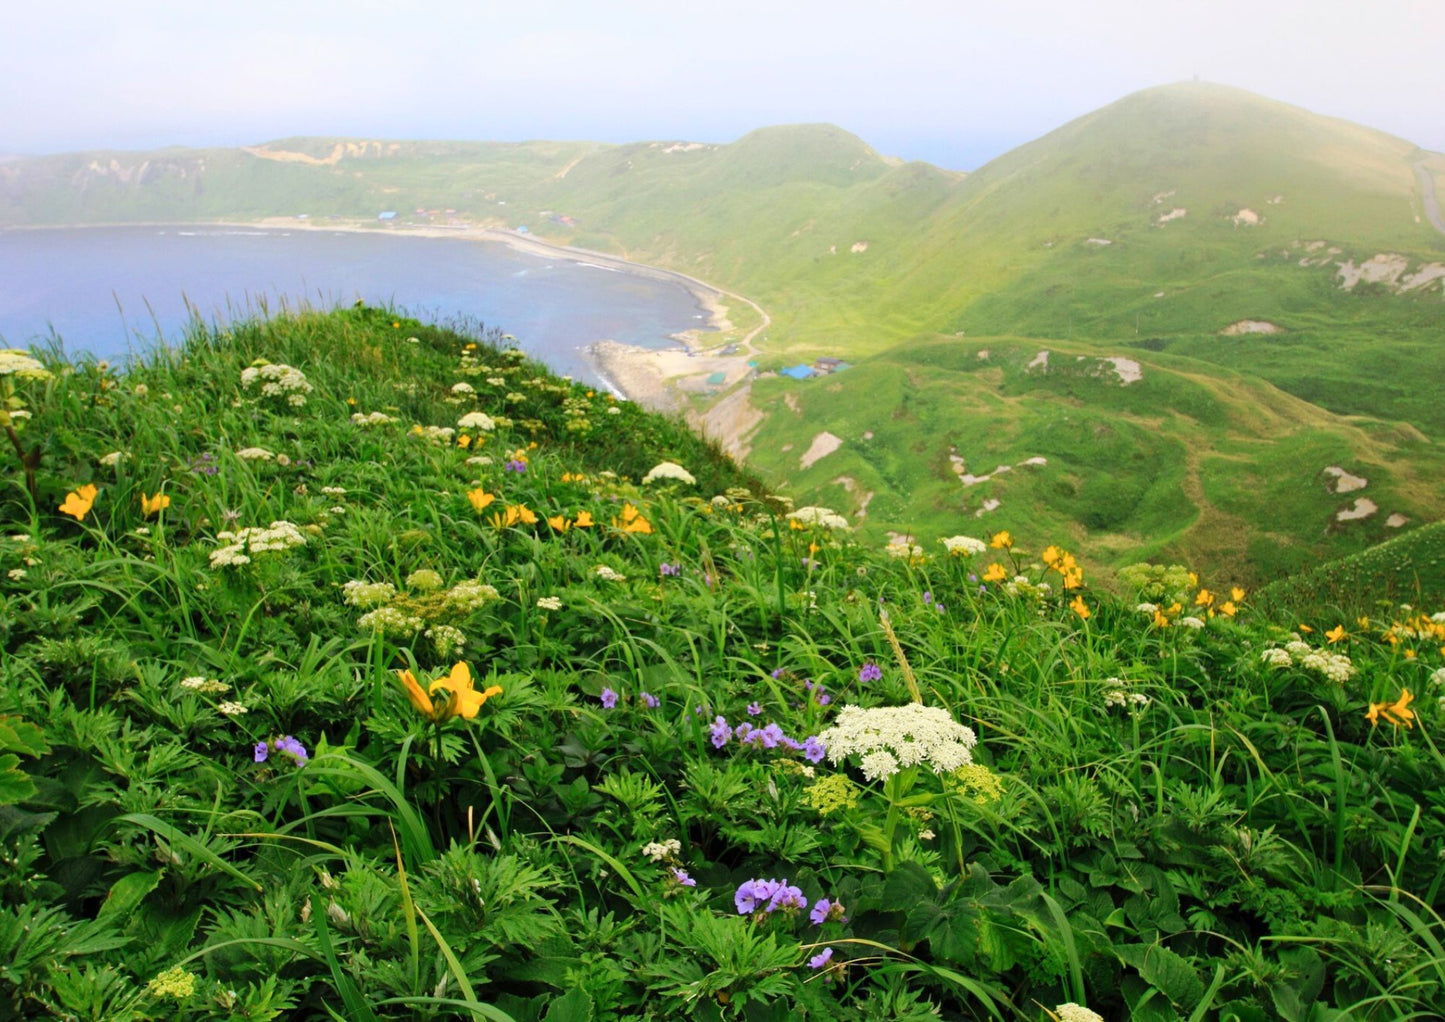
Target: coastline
(658, 379)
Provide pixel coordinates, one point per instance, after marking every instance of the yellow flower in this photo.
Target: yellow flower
(1204, 598)
(1051, 554)
(559, 522)
(994, 573)
(1001, 541)
(583, 520)
(1160, 621)
(1080, 608)
(523, 513)
(154, 505)
(1193, 579)
(1306, 629)
(1236, 594)
(1336, 633)
(480, 498)
(1363, 622)
(1397, 713)
(632, 521)
(464, 441)
(1228, 608)
(462, 699)
(78, 502)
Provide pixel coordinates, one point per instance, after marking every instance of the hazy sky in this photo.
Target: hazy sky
(955, 83)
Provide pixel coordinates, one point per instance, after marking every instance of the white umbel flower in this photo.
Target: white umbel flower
(963, 546)
(669, 470)
(889, 738)
(477, 420)
(826, 517)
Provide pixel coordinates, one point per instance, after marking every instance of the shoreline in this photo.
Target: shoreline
(661, 379)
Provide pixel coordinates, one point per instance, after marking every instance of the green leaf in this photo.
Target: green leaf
(907, 886)
(1168, 972)
(15, 785)
(17, 735)
(573, 1006)
(127, 893)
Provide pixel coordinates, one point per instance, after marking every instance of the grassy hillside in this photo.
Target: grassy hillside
(355, 668)
(1147, 230)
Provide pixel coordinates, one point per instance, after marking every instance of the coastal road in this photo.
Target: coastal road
(1427, 191)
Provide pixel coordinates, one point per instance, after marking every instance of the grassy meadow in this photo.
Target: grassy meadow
(355, 668)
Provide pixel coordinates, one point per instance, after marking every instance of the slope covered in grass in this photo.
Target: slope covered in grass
(310, 707)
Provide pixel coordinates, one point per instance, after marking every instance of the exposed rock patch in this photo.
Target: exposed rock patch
(1246, 218)
(1363, 507)
(992, 504)
(1128, 370)
(859, 246)
(1251, 326)
(1396, 520)
(1344, 481)
(823, 444)
(1177, 213)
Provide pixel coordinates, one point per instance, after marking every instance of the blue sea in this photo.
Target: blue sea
(112, 291)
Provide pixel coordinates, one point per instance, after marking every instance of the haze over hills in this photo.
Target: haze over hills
(1233, 296)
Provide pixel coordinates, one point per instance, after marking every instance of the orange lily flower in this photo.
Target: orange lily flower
(1336, 633)
(462, 698)
(583, 520)
(1001, 541)
(154, 505)
(995, 573)
(1080, 608)
(1397, 713)
(480, 498)
(78, 502)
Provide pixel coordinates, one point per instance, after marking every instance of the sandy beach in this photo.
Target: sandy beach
(662, 380)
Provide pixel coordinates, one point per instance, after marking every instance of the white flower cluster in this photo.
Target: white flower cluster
(439, 435)
(466, 597)
(390, 621)
(278, 380)
(479, 460)
(369, 419)
(254, 454)
(200, 683)
(1022, 585)
(963, 546)
(447, 640)
(1071, 1012)
(477, 420)
(1192, 622)
(113, 459)
(550, 602)
(826, 517)
(889, 738)
(463, 388)
(1438, 677)
(1148, 608)
(659, 850)
(334, 491)
(497, 381)
(1117, 694)
(243, 545)
(14, 362)
(1332, 666)
(606, 574)
(1276, 657)
(903, 548)
(231, 709)
(367, 594)
(669, 470)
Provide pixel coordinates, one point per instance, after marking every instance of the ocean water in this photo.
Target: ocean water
(112, 291)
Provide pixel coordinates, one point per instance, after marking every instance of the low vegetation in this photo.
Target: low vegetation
(354, 668)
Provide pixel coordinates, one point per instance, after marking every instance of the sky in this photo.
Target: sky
(954, 83)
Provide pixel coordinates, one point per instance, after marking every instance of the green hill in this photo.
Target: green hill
(1270, 270)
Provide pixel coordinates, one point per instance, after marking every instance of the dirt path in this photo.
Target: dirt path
(1427, 191)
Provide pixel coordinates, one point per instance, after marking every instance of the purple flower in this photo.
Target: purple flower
(680, 875)
(819, 915)
(747, 896)
(813, 749)
(791, 743)
(720, 732)
(609, 698)
(669, 569)
(744, 733)
(515, 466)
(927, 598)
(820, 959)
(778, 674)
(972, 577)
(260, 752)
(940, 607)
(870, 672)
(754, 709)
(772, 736)
(787, 897)
(824, 698)
(293, 748)
(649, 700)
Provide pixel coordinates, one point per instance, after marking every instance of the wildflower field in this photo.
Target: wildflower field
(355, 668)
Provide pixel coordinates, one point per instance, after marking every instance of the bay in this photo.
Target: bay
(112, 291)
